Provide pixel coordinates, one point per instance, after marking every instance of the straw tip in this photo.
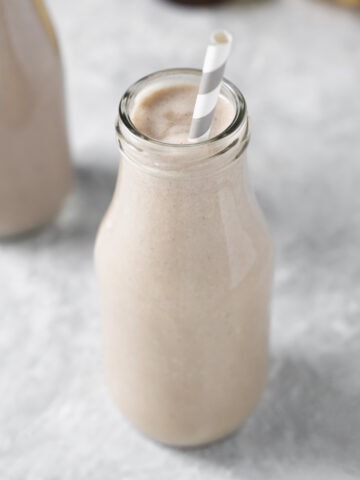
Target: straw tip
(220, 37)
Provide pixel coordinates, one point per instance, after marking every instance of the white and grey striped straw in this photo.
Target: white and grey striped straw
(216, 57)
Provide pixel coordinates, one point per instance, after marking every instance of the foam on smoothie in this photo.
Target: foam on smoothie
(165, 113)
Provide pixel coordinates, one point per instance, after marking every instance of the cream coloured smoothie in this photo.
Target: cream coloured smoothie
(35, 173)
(184, 262)
(165, 114)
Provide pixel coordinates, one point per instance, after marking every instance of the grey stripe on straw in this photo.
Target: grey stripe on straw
(201, 125)
(210, 80)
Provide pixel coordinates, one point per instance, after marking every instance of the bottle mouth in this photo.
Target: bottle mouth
(186, 75)
(180, 158)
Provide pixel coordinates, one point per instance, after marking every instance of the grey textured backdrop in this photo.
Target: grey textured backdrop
(298, 64)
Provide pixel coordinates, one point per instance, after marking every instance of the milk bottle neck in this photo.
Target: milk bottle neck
(182, 160)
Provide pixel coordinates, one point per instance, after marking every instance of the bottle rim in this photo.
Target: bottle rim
(132, 132)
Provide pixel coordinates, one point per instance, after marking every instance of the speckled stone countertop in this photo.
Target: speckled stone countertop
(298, 64)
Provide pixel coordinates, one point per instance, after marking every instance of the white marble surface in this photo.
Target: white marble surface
(298, 63)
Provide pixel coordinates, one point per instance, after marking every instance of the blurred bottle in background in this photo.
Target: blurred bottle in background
(349, 3)
(35, 171)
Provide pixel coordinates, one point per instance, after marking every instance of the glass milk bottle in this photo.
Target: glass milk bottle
(35, 173)
(184, 262)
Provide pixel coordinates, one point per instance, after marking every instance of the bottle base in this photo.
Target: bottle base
(193, 441)
(27, 227)
(199, 436)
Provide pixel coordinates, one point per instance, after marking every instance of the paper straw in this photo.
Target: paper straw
(212, 74)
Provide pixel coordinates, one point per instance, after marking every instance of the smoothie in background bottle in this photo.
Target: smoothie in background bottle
(35, 172)
(184, 262)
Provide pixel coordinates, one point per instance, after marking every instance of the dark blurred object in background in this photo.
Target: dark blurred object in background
(197, 2)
